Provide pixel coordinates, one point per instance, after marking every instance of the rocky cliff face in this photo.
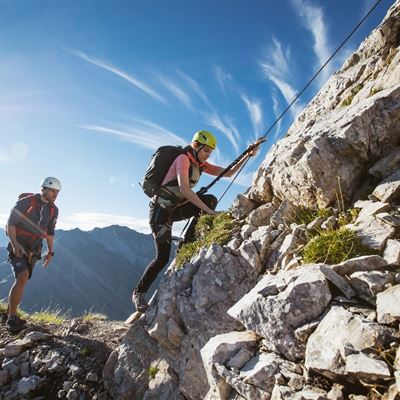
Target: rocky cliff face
(251, 320)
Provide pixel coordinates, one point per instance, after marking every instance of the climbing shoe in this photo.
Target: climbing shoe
(140, 302)
(14, 324)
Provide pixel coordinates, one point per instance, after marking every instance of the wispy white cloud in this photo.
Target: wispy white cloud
(195, 86)
(17, 152)
(177, 91)
(256, 116)
(142, 133)
(275, 67)
(368, 4)
(245, 178)
(277, 112)
(227, 128)
(314, 21)
(128, 77)
(223, 78)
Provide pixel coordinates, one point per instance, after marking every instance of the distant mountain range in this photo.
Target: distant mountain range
(91, 271)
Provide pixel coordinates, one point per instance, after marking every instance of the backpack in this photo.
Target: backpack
(29, 210)
(159, 165)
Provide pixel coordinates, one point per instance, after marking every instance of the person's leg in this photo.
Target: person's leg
(16, 292)
(20, 267)
(161, 228)
(189, 210)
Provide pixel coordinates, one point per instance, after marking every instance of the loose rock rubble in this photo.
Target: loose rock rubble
(57, 361)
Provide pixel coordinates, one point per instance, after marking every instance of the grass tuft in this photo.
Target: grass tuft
(304, 215)
(332, 247)
(56, 317)
(209, 229)
(89, 316)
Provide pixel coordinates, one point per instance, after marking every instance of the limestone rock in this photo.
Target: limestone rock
(26, 385)
(363, 263)
(242, 206)
(369, 284)
(220, 349)
(126, 370)
(192, 302)
(17, 347)
(276, 316)
(389, 189)
(249, 252)
(283, 215)
(371, 208)
(261, 215)
(387, 165)
(247, 230)
(374, 233)
(387, 305)
(392, 251)
(337, 347)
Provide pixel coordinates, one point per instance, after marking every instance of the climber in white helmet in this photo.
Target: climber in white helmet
(32, 219)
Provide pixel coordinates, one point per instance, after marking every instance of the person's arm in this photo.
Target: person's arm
(18, 250)
(51, 227)
(184, 187)
(216, 170)
(50, 248)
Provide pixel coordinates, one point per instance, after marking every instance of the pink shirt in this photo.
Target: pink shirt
(181, 164)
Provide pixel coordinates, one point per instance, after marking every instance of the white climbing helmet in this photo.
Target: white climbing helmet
(51, 183)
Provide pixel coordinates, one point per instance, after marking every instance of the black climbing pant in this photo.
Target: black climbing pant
(161, 220)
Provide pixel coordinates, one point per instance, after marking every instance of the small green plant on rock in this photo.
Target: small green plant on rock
(375, 90)
(348, 217)
(209, 229)
(332, 247)
(85, 351)
(304, 215)
(393, 51)
(347, 101)
(152, 372)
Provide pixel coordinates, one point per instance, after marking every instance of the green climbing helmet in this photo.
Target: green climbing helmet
(205, 137)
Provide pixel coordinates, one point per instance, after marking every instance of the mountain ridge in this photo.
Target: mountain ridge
(91, 271)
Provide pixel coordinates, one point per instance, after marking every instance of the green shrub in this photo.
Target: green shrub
(209, 229)
(332, 247)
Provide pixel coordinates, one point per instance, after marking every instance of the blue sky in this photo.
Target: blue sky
(88, 89)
